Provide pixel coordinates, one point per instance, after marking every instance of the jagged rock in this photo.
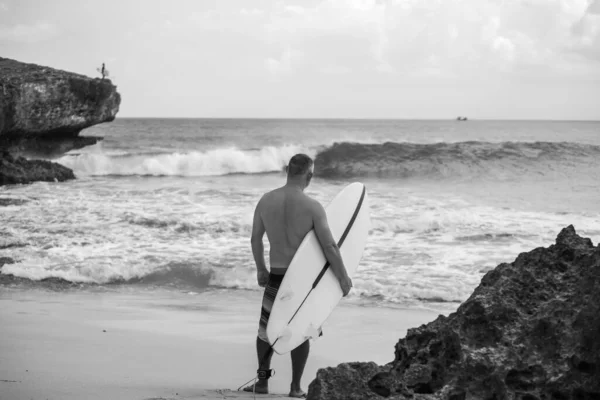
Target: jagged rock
(6, 260)
(15, 170)
(49, 147)
(4, 201)
(50, 106)
(347, 382)
(530, 330)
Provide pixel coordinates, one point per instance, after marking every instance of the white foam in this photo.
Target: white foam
(423, 245)
(214, 162)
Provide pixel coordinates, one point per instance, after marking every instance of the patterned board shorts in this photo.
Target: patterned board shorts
(267, 305)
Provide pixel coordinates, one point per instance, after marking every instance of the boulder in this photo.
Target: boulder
(14, 170)
(529, 331)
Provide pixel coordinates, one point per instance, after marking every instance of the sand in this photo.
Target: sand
(147, 344)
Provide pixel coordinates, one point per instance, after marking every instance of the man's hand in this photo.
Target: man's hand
(262, 276)
(346, 285)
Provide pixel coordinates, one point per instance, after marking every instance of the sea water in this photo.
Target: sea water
(169, 202)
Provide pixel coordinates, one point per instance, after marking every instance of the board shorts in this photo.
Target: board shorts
(269, 297)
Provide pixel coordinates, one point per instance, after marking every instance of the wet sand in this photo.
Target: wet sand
(144, 344)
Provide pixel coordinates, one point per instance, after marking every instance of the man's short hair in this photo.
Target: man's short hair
(299, 164)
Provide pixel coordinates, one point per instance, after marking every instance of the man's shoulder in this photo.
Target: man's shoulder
(314, 205)
(267, 197)
(271, 194)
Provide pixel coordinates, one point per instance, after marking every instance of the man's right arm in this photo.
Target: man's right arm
(330, 248)
(258, 250)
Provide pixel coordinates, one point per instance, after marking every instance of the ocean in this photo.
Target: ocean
(168, 203)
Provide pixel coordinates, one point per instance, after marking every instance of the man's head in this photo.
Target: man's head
(300, 168)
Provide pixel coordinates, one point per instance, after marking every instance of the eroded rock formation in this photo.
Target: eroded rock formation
(43, 103)
(42, 112)
(530, 330)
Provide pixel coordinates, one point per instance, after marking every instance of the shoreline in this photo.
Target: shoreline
(143, 344)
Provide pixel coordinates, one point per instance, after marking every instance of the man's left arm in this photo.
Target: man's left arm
(258, 249)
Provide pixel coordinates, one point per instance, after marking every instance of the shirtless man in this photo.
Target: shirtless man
(287, 214)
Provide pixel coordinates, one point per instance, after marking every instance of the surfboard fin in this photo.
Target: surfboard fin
(311, 333)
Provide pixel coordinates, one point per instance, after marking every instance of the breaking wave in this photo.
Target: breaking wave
(231, 226)
(189, 275)
(351, 159)
(463, 159)
(223, 161)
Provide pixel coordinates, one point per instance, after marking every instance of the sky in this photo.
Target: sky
(421, 59)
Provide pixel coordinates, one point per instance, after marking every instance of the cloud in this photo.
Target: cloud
(585, 39)
(464, 37)
(295, 9)
(594, 7)
(446, 39)
(505, 48)
(333, 34)
(252, 12)
(38, 32)
(335, 70)
(285, 63)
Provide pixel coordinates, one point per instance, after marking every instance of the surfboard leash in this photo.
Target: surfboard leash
(268, 353)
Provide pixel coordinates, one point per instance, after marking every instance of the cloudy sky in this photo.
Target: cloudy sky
(515, 59)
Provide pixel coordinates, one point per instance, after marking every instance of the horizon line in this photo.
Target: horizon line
(365, 119)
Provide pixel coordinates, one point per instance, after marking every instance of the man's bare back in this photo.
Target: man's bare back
(287, 214)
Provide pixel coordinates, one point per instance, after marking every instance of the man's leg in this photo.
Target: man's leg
(262, 348)
(299, 357)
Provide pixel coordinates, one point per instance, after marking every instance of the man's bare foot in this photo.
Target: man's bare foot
(300, 394)
(259, 387)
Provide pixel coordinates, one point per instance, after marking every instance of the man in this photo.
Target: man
(287, 214)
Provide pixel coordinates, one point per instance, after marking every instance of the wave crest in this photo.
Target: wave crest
(222, 161)
(462, 159)
(214, 228)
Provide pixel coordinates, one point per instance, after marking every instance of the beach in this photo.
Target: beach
(137, 140)
(136, 280)
(124, 344)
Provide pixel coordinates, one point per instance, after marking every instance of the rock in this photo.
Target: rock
(346, 382)
(6, 260)
(45, 108)
(11, 245)
(15, 170)
(7, 201)
(530, 330)
(50, 147)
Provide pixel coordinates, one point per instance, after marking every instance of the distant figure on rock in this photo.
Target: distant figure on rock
(103, 71)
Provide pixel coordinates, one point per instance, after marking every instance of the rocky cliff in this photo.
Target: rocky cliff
(43, 110)
(529, 331)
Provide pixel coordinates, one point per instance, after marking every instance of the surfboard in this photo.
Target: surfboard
(309, 290)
